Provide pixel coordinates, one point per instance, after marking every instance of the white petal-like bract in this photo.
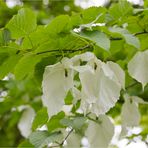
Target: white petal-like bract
(25, 122)
(56, 83)
(101, 88)
(100, 84)
(100, 134)
(130, 114)
(138, 67)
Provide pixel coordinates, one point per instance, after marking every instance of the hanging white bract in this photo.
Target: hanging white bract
(25, 121)
(138, 67)
(100, 84)
(57, 80)
(100, 133)
(130, 115)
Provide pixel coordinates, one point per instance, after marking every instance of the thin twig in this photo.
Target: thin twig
(60, 144)
(138, 33)
(131, 85)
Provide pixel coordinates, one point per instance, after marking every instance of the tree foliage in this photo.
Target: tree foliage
(64, 74)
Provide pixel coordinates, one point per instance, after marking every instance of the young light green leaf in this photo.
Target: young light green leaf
(54, 122)
(59, 24)
(25, 122)
(8, 65)
(26, 65)
(25, 143)
(138, 67)
(121, 9)
(22, 24)
(100, 134)
(40, 119)
(90, 15)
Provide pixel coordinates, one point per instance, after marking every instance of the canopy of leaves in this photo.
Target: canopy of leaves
(45, 56)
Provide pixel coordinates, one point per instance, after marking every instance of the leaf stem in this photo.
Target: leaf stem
(61, 144)
(131, 85)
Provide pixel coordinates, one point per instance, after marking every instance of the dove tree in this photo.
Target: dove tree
(68, 80)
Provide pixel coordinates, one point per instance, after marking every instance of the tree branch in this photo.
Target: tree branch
(136, 34)
(66, 50)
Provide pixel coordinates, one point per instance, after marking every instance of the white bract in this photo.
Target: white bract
(73, 141)
(138, 67)
(100, 84)
(25, 122)
(57, 80)
(130, 114)
(100, 134)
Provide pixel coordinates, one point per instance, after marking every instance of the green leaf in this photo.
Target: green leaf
(37, 38)
(69, 98)
(132, 40)
(89, 15)
(51, 44)
(58, 25)
(75, 123)
(42, 138)
(26, 144)
(121, 9)
(23, 23)
(26, 65)
(66, 122)
(97, 37)
(76, 106)
(40, 119)
(54, 122)
(8, 65)
(78, 122)
(4, 36)
(129, 38)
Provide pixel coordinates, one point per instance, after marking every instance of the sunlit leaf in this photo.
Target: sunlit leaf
(23, 23)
